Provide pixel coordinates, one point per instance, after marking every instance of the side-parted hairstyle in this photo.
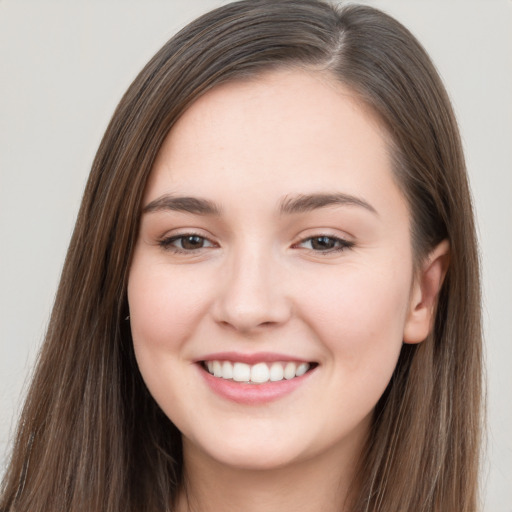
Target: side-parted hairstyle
(91, 438)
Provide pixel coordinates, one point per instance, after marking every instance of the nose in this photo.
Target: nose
(252, 294)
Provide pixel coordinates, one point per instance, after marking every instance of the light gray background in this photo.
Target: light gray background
(63, 68)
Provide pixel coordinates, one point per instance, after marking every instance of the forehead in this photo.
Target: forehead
(278, 133)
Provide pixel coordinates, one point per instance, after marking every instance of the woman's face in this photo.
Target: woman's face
(273, 240)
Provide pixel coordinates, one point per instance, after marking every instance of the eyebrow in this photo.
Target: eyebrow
(301, 203)
(193, 205)
(305, 203)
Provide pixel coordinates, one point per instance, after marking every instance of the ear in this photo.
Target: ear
(424, 293)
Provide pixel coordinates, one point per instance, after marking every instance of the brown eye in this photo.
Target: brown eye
(191, 242)
(186, 243)
(325, 244)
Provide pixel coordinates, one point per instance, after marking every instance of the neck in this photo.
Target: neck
(313, 485)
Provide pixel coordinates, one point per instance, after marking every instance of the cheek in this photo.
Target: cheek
(163, 305)
(360, 320)
(164, 310)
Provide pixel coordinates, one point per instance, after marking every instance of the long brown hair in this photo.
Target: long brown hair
(91, 437)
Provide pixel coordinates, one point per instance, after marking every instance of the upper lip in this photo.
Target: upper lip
(256, 357)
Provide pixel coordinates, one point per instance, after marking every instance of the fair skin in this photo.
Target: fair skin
(294, 250)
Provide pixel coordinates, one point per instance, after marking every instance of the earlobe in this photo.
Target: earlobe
(424, 294)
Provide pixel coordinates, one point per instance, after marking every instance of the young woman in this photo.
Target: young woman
(271, 297)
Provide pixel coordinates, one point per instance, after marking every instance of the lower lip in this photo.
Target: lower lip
(253, 394)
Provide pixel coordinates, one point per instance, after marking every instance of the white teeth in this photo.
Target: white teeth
(276, 372)
(217, 369)
(227, 370)
(289, 371)
(258, 373)
(302, 369)
(241, 372)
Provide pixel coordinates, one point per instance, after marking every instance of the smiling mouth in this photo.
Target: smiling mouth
(258, 373)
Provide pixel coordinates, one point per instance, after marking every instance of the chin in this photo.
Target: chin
(250, 453)
(249, 459)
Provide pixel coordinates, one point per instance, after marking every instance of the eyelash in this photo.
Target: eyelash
(340, 243)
